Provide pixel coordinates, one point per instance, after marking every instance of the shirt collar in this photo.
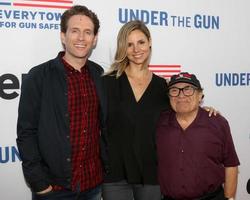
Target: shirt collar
(69, 67)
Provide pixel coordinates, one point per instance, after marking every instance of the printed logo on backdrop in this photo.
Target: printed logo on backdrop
(9, 154)
(32, 14)
(164, 18)
(165, 71)
(232, 79)
(10, 86)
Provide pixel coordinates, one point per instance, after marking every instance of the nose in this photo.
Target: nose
(81, 36)
(136, 48)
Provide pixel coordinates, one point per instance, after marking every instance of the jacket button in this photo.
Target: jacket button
(68, 159)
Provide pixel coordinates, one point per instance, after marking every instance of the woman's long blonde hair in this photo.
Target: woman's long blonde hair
(121, 60)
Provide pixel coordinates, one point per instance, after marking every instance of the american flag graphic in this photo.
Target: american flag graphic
(165, 71)
(61, 4)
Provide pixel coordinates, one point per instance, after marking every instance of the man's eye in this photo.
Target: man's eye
(188, 88)
(174, 90)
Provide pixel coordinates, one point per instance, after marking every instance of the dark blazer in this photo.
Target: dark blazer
(43, 123)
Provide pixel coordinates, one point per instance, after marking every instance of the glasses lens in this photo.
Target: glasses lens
(187, 91)
(174, 92)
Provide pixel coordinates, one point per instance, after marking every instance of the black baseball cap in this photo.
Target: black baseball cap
(185, 77)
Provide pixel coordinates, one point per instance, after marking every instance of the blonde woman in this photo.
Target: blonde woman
(135, 98)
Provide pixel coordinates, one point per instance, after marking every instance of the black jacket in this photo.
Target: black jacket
(43, 124)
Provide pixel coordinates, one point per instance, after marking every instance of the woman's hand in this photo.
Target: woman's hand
(211, 111)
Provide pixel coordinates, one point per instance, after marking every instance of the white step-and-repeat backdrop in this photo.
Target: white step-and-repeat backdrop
(208, 38)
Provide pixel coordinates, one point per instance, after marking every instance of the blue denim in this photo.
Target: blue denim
(92, 194)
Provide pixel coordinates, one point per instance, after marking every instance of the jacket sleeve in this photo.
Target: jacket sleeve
(27, 130)
(103, 138)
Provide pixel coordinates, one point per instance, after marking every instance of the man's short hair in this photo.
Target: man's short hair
(79, 10)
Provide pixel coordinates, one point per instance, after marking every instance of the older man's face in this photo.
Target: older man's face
(188, 100)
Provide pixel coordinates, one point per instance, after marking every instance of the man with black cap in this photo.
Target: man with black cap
(196, 155)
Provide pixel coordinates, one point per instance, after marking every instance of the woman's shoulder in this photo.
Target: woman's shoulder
(110, 77)
(159, 82)
(159, 79)
(111, 81)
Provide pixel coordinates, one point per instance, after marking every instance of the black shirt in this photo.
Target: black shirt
(131, 129)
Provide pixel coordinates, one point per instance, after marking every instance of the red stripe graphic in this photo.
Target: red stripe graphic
(165, 70)
(56, 1)
(63, 4)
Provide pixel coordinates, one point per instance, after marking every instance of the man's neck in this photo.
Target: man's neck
(76, 63)
(185, 119)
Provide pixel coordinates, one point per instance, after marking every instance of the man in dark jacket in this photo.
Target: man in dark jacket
(61, 116)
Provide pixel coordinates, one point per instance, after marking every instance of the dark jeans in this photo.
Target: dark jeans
(216, 195)
(93, 194)
(122, 190)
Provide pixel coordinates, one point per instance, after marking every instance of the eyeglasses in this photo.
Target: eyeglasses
(187, 91)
